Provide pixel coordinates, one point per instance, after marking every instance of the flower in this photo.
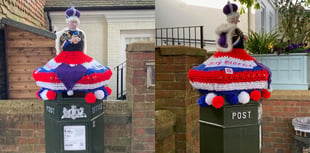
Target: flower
(289, 47)
(270, 45)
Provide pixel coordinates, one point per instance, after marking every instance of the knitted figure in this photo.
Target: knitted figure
(72, 70)
(231, 74)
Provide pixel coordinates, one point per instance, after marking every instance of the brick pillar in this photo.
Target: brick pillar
(174, 92)
(141, 95)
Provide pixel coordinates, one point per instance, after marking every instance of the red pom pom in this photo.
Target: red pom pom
(109, 90)
(90, 98)
(51, 95)
(255, 95)
(37, 94)
(218, 102)
(266, 94)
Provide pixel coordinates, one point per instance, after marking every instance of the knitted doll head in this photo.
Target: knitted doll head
(224, 31)
(72, 15)
(230, 9)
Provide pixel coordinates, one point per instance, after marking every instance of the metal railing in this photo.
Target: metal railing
(120, 82)
(187, 36)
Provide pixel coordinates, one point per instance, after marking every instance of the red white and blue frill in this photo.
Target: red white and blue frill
(233, 76)
(73, 71)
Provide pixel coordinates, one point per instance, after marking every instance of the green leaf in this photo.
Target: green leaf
(242, 10)
(257, 6)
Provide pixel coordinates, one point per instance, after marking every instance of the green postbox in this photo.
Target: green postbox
(73, 126)
(231, 129)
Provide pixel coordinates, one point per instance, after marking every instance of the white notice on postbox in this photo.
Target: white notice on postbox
(74, 137)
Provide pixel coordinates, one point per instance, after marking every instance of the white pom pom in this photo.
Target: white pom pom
(99, 94)
(209, 98)
(70, 92)
(243, 97)
(270, 89)
(43, 95)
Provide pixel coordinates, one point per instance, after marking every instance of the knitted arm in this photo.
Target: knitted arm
(224, 33)
(83, 37)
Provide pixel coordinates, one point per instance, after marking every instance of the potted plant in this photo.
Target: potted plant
(290, 65)
(286, 51)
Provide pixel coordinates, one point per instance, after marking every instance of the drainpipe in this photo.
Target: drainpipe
(49, 21)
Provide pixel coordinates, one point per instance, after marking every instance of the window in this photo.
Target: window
(263, 18)
(270, 21)
(150, 70)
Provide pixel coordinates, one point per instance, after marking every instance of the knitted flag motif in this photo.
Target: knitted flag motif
(232, 75)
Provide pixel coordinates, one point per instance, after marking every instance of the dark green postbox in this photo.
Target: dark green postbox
(73, 126)
(231, 129)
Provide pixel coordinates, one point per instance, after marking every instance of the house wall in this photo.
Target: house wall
(29, 12)
(270, 17)
(103, 30)
(114, 48)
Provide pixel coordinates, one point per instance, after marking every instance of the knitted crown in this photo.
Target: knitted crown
(72, 14)
(230, 8)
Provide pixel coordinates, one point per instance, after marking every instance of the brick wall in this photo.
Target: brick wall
(141, 97)
(30, 12)
(165, 131)
(278, 113)
(22, 126)
(117, 130)
(174, 92)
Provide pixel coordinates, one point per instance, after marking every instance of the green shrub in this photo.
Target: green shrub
(261, 43)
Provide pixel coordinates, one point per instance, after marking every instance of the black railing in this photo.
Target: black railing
(187, 36)
(120, 82)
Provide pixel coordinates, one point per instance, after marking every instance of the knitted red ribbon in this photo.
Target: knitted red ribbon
(222, 77)
(73, 57)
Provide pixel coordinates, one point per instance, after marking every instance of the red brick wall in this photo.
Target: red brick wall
(277, 123)
(142, 98)
(174, 93)
(21, 126)
(166, 145)
(117, 127)
(25, 11)
(164, 131)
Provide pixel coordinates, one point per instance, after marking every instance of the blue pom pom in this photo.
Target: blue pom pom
(201, 101)
(232, 99)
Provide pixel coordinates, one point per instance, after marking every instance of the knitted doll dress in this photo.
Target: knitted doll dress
(72, 70)
(231, 76)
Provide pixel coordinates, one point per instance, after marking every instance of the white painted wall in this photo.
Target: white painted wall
(270, 19)
(94, 27)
